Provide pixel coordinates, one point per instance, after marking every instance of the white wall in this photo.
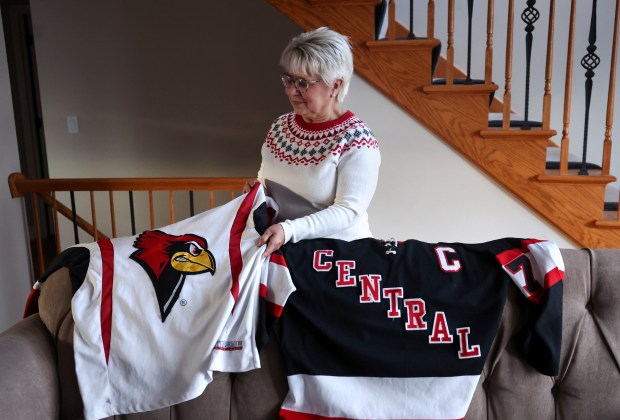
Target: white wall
(429, 192)
(14, 255)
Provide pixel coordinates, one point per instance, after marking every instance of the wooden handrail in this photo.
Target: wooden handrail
(20, 184)
(45, 190)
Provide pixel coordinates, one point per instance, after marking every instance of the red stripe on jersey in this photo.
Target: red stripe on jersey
(272, 308)
(107, 283)
(278, 259)
(554, 276)
(234, 245)
(32, 303)
(295, 415)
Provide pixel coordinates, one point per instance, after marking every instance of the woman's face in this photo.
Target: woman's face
(313, 104)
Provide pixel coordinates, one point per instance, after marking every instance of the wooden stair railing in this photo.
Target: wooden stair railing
(47, 192)
(459, 114)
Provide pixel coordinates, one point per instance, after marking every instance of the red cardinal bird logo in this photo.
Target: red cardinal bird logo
(168, 259)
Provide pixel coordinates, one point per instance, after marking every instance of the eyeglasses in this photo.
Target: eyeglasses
(301, 85)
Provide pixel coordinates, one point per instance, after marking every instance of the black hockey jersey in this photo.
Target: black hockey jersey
(387, 330)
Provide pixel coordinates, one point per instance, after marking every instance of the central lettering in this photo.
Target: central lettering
(371, 291)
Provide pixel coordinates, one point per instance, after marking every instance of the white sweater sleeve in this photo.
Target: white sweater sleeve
(358, 172)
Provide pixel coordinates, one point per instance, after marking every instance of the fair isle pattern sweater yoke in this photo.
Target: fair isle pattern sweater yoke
(293, 141)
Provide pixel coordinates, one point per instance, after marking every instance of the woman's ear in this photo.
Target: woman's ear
(336, 88)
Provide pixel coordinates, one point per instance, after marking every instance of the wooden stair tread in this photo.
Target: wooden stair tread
(343, 2)
(402, 44)
(608, 224)
(461, 89)
(516, 133)
(595, 177)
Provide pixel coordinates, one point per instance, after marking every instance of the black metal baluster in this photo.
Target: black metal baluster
(76, 237)
(380, 16)
(191, 203)
(590, 61)
(530, 15)
(411, 34)
(131, 211)
(470, 13)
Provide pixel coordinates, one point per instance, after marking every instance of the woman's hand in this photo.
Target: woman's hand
(273, 237)
(248, 185)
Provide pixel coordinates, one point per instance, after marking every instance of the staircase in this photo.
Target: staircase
(459, 115)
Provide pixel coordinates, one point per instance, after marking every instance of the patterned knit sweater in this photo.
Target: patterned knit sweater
(321, 175)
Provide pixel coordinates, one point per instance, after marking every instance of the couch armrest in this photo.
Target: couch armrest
(29, 379)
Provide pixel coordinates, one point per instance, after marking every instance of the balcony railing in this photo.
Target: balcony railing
(73, 211)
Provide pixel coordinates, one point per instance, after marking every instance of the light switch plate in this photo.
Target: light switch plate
(72, 124)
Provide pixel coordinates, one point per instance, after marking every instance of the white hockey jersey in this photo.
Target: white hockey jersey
(158, 312)
(401, 330)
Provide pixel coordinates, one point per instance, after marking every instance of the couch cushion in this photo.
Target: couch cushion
(28, 352)
(589, 379)
(55, 311)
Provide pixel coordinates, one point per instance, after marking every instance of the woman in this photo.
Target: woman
(320, 163)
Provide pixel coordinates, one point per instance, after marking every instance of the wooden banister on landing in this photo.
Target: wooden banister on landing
(20, 184)
(52, 198)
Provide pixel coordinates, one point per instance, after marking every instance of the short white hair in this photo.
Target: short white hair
(321, 52)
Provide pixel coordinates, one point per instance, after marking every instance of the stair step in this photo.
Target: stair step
(574, 161)
(611, 198)
(575, 164)
(516, 121)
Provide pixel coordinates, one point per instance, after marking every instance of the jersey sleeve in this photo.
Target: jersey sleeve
(537, 269)
(75, 259)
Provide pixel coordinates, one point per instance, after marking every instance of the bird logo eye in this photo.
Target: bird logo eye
(194, 249)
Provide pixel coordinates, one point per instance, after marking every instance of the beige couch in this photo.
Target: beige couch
(37, 378)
